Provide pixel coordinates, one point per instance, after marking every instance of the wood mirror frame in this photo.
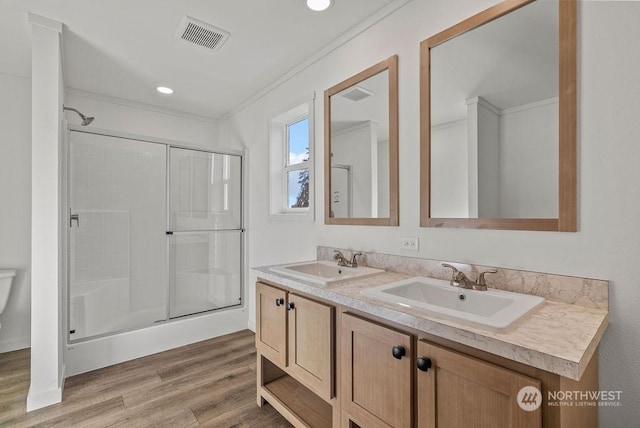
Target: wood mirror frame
(567, 89)
(390, 64)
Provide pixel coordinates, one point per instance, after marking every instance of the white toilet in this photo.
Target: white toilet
(6, 278)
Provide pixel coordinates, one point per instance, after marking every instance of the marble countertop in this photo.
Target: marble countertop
(556, 337)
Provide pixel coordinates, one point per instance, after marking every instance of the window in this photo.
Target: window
(296, 169)
(291, 162)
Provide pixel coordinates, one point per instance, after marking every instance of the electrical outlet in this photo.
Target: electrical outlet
(409, 244)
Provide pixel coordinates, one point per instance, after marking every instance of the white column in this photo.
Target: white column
(483, 122)
(373, 126)
(472, 155)
(47, 367)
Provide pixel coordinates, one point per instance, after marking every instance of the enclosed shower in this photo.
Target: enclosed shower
(155, 233)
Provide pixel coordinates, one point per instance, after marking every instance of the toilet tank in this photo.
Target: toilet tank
(6, 277)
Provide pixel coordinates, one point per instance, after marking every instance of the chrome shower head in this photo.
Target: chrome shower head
(85, 120)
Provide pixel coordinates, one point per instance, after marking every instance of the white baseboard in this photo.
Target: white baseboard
(105, 351)
(251, 325)
(39, 399)
(15, 344)
(63, 378)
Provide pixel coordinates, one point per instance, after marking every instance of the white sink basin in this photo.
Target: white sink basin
(492, 308)
(324, 272)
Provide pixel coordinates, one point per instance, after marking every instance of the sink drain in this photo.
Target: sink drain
(462, 297)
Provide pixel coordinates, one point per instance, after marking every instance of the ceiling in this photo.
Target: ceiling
(125, 48)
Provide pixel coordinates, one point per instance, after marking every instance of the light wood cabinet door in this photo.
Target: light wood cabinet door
(271, 323)
(376, 386)
(462, 391)
(311, 344)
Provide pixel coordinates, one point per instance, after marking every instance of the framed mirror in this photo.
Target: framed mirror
(498, 119)
(361, 148)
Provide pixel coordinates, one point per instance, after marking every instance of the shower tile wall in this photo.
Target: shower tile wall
(118, 249)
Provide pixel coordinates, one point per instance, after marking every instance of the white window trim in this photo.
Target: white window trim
(278, 161)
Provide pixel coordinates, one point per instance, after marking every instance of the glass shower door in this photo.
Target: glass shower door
(205, 229)
(117, 242)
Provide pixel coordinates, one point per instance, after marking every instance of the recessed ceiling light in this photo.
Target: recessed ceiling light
(164, 90)
(319, 5)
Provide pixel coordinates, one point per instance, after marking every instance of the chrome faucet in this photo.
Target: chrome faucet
(342, 260)
(459, 279)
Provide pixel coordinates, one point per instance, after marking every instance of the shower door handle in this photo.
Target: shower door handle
(75, 217)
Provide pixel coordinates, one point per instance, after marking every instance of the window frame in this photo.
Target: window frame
(279, 167)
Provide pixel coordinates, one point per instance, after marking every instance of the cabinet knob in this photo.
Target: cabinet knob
(423, 363)
(398, 352)
(279, 302)
(290, 306)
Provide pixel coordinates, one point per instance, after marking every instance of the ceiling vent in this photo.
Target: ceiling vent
(357, 93)
(202, 34)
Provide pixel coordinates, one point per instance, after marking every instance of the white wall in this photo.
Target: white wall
(15, 208)
(263, 229)
(450, 170)
(119, 115)
(353, 147)
(607, 244)
(529, 161)
(382, 147)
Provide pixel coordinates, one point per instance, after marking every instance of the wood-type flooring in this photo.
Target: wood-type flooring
(206, 384)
